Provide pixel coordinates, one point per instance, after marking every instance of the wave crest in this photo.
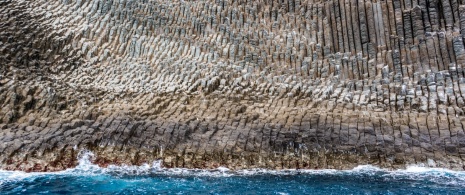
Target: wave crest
(85, 167)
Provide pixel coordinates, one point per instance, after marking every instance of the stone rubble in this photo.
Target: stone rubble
(242, 84)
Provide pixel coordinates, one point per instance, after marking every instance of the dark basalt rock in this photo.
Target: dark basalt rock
(241, 84)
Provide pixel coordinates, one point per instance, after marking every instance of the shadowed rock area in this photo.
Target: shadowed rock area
(241, 84)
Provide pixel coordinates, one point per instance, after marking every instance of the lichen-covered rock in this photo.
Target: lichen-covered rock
(242, 84)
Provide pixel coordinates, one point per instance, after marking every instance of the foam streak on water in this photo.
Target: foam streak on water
(88, 178)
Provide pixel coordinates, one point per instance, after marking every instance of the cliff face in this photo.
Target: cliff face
(242, 84)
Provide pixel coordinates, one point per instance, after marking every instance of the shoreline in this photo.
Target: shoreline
(89, 159)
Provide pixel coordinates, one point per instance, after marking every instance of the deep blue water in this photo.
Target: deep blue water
(151, 179)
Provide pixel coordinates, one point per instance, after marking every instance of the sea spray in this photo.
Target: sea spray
(153, 178)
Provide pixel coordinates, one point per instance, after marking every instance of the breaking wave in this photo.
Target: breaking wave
(153, 178)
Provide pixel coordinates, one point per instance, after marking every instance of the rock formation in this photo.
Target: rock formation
(241, 84)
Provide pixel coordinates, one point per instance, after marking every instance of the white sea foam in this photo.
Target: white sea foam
(85, 167)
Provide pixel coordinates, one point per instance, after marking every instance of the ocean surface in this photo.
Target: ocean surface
(152, 179)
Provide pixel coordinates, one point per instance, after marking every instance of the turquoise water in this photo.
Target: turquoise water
(151, 179)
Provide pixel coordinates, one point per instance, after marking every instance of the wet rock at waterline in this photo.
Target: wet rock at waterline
(239, 84)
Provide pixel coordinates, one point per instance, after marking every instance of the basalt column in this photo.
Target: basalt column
(242, 84)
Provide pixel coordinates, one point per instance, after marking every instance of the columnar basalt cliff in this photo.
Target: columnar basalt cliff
(241, 84)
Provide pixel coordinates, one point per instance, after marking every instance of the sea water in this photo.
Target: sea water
(87, 178)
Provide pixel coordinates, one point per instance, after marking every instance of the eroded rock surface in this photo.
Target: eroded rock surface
(241, 84)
